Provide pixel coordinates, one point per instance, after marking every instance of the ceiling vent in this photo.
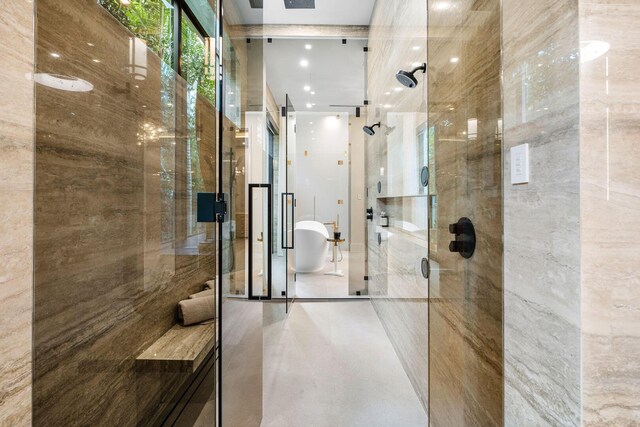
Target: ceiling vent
(300, 4)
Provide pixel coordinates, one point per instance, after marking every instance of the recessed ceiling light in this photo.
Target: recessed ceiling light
(313, 92)
(304, 63)
(55, 55)
(307, 46)
(310, 123)
(454, 60)
(309, 106)
(415, 48)
(387, 93)
(387, 105)
(307, 88)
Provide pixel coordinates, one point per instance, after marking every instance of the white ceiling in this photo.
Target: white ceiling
(327, 12)
(336, 72)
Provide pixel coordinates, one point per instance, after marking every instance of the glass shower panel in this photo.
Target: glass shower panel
(119, 141)
(396, 154)
(290, 204)
(465, 293)
(243, 129)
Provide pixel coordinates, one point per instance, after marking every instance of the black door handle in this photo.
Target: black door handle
(370, 214)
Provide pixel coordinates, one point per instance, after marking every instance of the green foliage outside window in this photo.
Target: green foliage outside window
(149, 20)
(192, 62)
(152, 21)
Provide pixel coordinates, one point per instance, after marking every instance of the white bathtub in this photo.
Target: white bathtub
(311, 246)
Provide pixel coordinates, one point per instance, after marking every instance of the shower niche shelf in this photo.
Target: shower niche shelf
(180, 349)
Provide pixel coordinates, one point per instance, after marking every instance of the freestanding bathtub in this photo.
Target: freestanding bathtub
(311, 246)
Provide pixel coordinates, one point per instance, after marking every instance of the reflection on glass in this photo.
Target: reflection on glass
(137, 58)
(167, 141)
(201, 86)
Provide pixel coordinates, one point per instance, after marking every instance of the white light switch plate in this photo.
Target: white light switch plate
(520, 164)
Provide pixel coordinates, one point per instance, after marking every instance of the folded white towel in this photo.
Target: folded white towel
(196, 310)
(205, 293)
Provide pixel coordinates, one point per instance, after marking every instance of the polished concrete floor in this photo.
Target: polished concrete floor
(316, 285)
(321, 285)
(331, 364)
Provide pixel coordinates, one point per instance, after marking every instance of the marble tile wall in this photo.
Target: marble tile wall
(112, 254)
(397, 40)
(541, 218)
(16, 212)
(609, 205)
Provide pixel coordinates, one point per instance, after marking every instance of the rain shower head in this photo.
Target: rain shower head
(369, 129)
(408, 78)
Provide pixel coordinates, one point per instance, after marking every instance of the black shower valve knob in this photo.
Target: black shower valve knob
(460, 246)
(465, 237)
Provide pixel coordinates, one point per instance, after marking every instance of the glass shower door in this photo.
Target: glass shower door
(289, 204)
(241, 317)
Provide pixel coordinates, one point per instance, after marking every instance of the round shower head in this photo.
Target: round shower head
(408, 78)
(369, 129)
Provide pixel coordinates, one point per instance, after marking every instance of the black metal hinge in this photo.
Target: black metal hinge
(212, 207)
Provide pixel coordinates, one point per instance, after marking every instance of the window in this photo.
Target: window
(151, 21)
(195, 60)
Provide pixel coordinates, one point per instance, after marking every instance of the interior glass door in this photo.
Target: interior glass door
(289, 204)
(241, 317)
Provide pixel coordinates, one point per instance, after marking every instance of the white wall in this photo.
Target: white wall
(322, 141)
